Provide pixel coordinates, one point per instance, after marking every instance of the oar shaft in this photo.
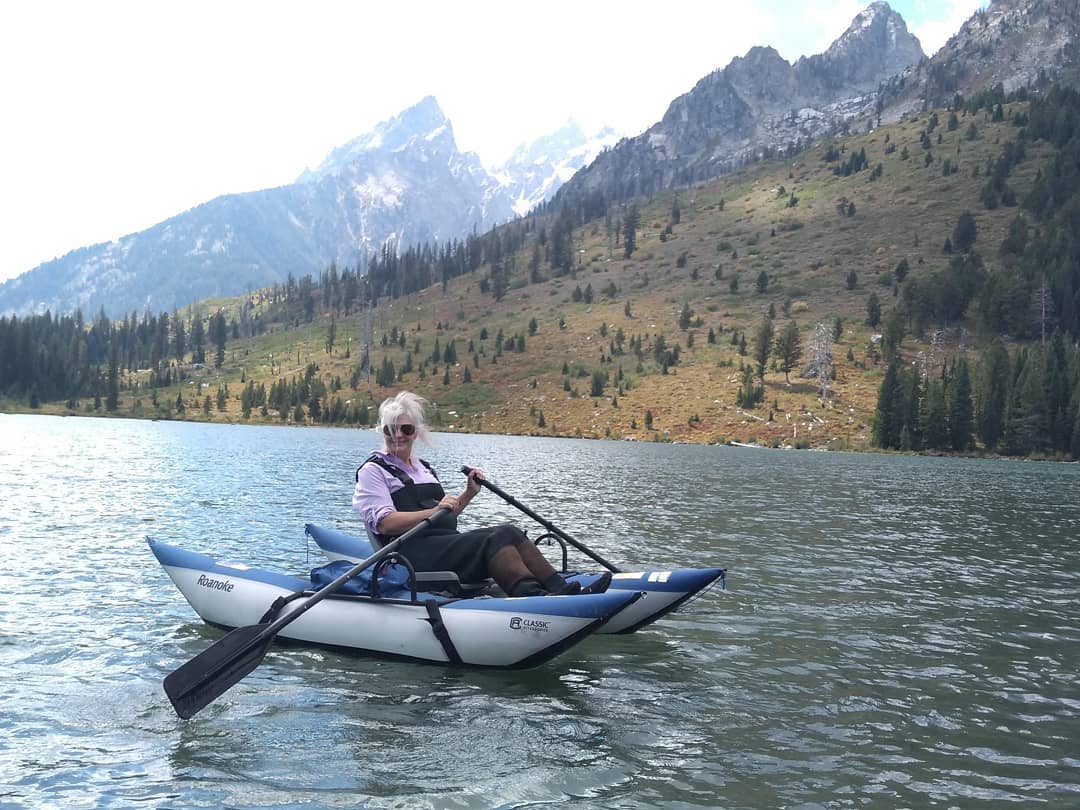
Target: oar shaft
(547, 524)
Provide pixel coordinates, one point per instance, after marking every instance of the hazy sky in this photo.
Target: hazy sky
(118, 115)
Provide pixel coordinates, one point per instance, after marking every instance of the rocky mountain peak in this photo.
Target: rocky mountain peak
(757, 105)
(536, 170)
(1014, 43)
(423, 125)
(875, 46)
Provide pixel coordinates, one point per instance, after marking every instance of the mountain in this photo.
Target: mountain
(535, 171)
(404, 182)
(876, 72)
(755, 106)
(1012, 43)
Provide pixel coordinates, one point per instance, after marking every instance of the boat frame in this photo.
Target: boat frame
(663, 591)
(505, 633)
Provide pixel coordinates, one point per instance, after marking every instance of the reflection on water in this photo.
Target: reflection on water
(899, 631)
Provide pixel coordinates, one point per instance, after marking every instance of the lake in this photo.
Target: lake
(898, 631)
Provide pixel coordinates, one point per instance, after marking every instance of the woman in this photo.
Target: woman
(396, 490)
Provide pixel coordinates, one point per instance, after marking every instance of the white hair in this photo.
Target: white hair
(408, 404)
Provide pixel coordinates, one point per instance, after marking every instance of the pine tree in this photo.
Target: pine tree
(1057, 388)
(1074, 446)
(599, 379)
(935, 424)
(901, 270)
(179, 339)
(1025, 420)
(886, 431)
(218, 335)
(684, 316)
(873, 311)
(534, 265)
(908, 408)
(630, 226)
(993, 394)
(500, 280)
(788, 349)
(961, 410)
(965, 232)
(112, 399)
(386, 374)
(198, 341)
(763, 345)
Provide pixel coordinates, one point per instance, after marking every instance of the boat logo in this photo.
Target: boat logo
(215, 584)
(537, 626)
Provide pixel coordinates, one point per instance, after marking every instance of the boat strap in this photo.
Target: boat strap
(276, 606)
(440, 631)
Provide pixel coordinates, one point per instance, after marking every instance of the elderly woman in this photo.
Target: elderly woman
(395, 490)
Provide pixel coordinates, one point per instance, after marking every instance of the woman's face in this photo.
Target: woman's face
(399, 436)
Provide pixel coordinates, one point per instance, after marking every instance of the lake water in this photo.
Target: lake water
(898, 631)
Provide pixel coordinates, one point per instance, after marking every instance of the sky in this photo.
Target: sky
(117, 115)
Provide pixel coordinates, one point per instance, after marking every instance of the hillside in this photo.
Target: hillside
(804, 226)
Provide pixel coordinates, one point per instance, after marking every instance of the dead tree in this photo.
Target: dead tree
(820, 366)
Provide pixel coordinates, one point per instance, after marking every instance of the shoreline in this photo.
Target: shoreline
(261, 422)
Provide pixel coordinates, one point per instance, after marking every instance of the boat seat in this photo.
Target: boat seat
(445, 581)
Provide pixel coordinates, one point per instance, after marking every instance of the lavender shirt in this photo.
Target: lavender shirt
(371, 498)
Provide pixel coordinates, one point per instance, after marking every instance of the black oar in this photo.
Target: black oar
(547, 524)
(209, 674)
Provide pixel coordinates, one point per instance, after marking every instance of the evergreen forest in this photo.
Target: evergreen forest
(915, 287)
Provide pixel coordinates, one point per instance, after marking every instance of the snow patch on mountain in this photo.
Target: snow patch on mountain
(535, 171)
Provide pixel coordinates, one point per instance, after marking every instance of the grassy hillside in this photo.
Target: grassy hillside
(804, 226)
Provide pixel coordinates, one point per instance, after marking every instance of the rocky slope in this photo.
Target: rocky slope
(1012, 43)
(755, 106)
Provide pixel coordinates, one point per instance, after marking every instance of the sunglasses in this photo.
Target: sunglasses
(404, 430)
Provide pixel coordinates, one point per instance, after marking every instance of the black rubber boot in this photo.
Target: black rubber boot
(554, 582)
(527, 586)
(556, 585)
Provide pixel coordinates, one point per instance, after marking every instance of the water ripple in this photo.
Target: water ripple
(899, 631)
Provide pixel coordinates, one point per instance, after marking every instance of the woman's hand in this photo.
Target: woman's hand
(476, 475)
(451, 502)
(462, 500)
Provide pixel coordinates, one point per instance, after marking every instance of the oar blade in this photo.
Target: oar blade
(212, 672)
